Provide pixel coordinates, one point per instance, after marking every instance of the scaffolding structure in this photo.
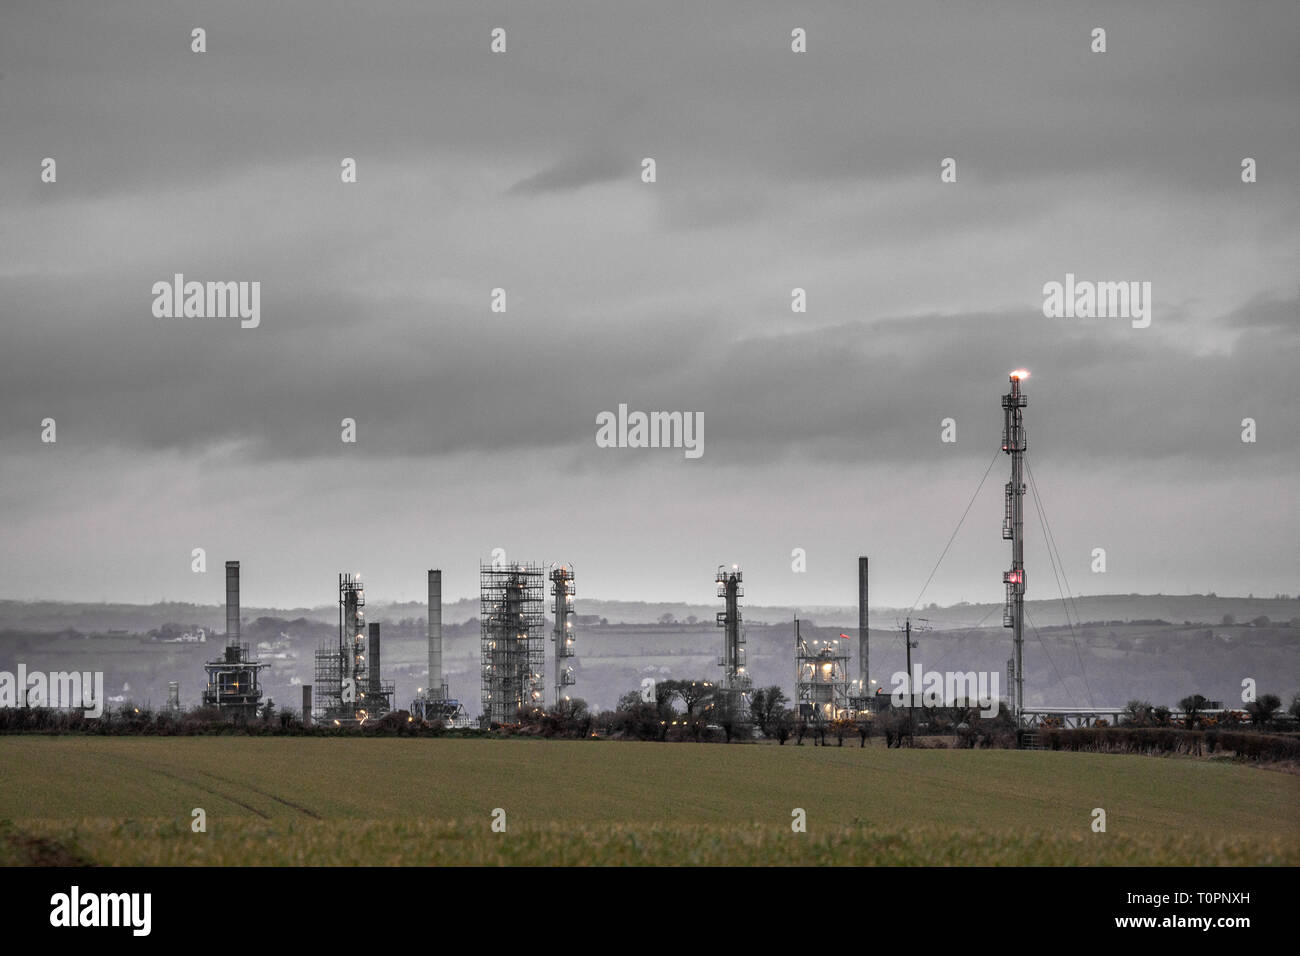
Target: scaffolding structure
(1014, 443)
(513, 652)
(562, 590)
(327, 684)
(736, 686)
(821, 678)
(232, 680)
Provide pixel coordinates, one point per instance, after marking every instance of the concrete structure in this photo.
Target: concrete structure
(232, 602)
(377, 698)
(862, 691)
(435, 701)
(437, 680)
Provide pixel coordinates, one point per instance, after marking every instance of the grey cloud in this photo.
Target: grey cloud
(582, 169)
(858, 391)
(775, 170)
(1014, 95)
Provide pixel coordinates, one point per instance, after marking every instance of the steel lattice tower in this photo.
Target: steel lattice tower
(1014, 442)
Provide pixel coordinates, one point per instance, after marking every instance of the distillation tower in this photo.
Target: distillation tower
(347, 686)
(736, 683)
(562, 590)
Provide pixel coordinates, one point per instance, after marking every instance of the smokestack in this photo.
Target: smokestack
(864, 671)
(232, 602)
(306, 705)
(372, 659)
(435, 635)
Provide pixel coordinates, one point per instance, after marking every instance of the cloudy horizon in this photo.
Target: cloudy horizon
(522, 171)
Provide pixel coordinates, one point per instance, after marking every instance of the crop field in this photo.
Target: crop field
(317, 801)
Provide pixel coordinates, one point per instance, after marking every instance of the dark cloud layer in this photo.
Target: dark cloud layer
(776, 171)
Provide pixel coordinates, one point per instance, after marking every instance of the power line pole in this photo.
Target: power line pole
(911, 687)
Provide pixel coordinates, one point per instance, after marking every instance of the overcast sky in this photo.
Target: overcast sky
(523, 171)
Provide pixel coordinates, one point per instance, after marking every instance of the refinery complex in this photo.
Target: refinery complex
(518, 675)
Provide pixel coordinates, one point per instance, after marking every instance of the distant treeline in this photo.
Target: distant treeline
(1167, 740)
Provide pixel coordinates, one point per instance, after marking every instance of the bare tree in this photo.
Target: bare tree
(765, 706)
(1263, 709)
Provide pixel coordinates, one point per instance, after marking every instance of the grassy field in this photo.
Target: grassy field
(295, 801)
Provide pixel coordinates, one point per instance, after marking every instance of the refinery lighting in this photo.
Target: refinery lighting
(1020, 373)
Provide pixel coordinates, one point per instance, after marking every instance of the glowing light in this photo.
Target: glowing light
(1020, 373)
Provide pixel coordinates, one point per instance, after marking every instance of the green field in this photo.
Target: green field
(295, 801)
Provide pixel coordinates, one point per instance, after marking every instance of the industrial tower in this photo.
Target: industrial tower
(377, 698)
(562, 590)
(821, 678)
(435, 701)
(736, 683)
(1014, 442)
(864, 636)
(347, 686)
(513, 652)
(861, 695)
(232, 685)
(437, 689)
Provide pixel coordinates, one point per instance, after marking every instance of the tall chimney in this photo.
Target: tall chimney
(372, 659)
(232, 602)
(864, 671)
(435, 635)
(306, 705)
